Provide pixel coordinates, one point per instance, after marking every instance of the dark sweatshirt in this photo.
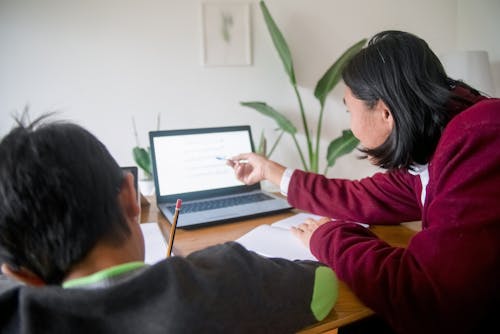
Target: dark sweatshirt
(222, 289)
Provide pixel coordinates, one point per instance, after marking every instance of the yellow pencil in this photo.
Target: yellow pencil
(173, 227)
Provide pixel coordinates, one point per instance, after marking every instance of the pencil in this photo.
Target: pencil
(173, 227)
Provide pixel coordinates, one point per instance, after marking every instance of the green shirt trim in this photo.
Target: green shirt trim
(103, 274)
(325, 292)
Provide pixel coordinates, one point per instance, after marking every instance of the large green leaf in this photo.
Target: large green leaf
(142, 158)
(341, 146)
(279, 42)
(332, 76)
(282, 121)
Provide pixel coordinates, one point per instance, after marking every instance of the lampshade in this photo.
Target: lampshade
(472, 67)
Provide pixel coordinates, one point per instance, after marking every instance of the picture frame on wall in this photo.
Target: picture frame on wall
(226, 34)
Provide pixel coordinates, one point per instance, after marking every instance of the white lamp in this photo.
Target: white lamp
(472, 67)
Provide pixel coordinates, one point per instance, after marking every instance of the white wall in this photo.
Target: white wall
(478, 27)
(102, 62)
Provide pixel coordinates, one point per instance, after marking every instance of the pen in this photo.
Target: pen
(173, 227)
(242, 161)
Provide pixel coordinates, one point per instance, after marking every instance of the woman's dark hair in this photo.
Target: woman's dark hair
(400, 69)
(59, 191)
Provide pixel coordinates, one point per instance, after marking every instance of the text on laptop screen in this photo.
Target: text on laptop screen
(188, 162)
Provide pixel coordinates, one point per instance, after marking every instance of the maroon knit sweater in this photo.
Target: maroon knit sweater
(448, 278)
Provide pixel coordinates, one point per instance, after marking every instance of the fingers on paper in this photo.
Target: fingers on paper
(303, 235)
(324, 220)
(310, 224)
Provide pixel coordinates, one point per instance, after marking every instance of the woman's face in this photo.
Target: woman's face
(371, 126)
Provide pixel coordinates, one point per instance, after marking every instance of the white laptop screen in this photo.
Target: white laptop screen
(187, 162)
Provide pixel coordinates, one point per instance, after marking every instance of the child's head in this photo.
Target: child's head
(59, 190)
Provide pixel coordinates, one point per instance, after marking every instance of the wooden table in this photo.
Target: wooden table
(347, 309)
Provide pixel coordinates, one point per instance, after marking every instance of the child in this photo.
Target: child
(69, 230)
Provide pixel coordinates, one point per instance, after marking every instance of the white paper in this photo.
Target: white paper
(299, 218)
(154, 242)
(295, 220)
(277, 240)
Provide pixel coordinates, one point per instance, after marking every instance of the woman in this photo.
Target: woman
(439, 140)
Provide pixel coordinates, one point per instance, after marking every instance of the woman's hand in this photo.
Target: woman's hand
(248, 167)
(251, 168)
(305, 230)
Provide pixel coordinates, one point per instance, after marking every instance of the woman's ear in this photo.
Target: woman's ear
(22, 275)
(385, 114)
(128, 196)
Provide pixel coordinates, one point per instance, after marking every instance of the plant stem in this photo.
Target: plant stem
(275, 144)
(135, 132)
(158, 122)
(300, 153)
(306, 128)
(318, 136)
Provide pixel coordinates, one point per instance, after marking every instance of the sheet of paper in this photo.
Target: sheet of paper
(273, 241)
(295, 220)
(155, 244)
(276, 240)
(299, 218)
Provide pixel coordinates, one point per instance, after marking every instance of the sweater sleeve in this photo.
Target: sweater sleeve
(446, 280)
(274, 293)
(385, 198)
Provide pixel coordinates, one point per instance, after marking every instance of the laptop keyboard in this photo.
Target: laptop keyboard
(220, 203)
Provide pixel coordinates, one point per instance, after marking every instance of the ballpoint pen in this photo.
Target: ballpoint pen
(173, 227)
(241, 161)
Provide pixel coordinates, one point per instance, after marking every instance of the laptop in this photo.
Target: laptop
(186, 165)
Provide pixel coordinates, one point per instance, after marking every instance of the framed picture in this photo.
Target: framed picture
(226, 34)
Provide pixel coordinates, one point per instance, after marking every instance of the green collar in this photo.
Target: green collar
(103, 274)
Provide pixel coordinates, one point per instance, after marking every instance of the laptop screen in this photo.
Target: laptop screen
(186, 161)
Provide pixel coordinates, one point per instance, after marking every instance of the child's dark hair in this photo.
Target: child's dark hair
(59, 196)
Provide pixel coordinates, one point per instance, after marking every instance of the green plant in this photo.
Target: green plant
(341, 145)
(142, 156)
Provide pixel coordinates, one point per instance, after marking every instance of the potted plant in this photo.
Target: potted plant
(142, 155)
(342, 145)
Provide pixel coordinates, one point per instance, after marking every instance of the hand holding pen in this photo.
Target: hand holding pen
(247, 167)
(256, 168)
